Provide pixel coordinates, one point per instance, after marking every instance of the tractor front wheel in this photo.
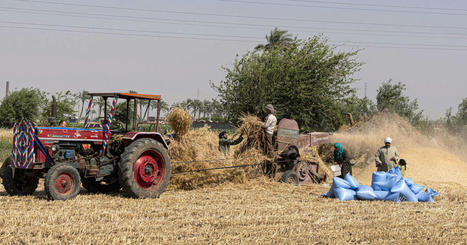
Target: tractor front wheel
(145, 169)
(18, 182)
(62, 182)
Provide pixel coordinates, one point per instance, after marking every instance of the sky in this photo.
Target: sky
(176, 48)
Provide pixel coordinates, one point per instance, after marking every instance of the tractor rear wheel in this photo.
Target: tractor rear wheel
(290, 177)
(145, 169)
(18, 182)
(93, 186)
(62, 182)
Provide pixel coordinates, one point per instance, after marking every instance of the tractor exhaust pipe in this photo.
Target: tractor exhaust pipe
(53, 112)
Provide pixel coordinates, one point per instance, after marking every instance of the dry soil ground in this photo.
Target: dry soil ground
(257, 212)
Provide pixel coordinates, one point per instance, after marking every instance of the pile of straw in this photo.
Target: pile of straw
(252, 131)
(180, 121)
(311, 154)
(198, 149)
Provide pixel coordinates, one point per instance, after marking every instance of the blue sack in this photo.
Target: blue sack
(395, 197)
(424, 197)
(432, 192)
(339, 182)
(378, 177)
(344, 194)
(352, 181)
(378, 180)
(402, 188)
(417, 188)
(409, 181)
(381, 195)
(365, 192)
(397, 172)
(329, 194)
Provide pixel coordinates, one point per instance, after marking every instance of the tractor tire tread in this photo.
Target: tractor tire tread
(126, 169)
(10, 185)
(49, 183)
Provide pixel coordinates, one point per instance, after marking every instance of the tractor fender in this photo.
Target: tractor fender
(132, 136)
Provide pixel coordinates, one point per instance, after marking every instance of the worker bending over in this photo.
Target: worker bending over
(225, 143)
(341, 157)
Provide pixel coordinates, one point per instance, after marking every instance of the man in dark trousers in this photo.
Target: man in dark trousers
(341, 157)
(225, 143)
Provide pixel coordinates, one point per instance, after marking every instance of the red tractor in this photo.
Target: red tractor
(102, 157)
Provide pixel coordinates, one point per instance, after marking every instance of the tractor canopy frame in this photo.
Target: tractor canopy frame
(108, 117)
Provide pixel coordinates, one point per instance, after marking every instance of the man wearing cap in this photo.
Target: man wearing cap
(386, 156)
(225, 143)
(268, 126)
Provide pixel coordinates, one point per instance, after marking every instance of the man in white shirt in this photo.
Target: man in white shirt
(268, 126)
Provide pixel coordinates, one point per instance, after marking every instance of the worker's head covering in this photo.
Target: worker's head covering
(388, 140)
(340, 149)
(222, 134)
(270, 108)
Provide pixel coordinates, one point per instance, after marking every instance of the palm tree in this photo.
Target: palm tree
(276, 38)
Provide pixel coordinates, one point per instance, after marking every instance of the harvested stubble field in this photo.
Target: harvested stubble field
(255, 210)
(259, 211)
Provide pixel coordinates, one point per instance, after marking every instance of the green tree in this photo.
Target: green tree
(306, 80)
(391, 97)
(24, 103)
(276, 38)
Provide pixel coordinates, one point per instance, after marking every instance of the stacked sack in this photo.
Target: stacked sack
(387, 186)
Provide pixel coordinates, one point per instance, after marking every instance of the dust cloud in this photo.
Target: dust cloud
(438, 158)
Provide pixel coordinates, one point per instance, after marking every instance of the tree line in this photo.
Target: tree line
(36, 105)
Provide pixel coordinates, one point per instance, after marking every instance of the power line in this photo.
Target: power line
(125, 34)
(377, 5)
(217, 23)
(129, 30)
(244, 16)
(202, 37)
(336, 7)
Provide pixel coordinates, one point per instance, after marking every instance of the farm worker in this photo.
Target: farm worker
(268, 126)
(386, 156)
(62, 123)
(225, 143)
(341, 157)
(403, 166)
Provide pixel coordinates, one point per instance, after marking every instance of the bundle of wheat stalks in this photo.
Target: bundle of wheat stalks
(180, 121)
(198, 149)
(252, 131)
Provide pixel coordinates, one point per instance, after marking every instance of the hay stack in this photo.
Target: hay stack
(252, 131)
(198, 149)
(180, 121)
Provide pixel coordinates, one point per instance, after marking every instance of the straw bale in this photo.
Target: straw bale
(180, 121)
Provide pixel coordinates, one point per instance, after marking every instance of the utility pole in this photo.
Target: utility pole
(365, 88)
(197, 94)
(7, 92)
